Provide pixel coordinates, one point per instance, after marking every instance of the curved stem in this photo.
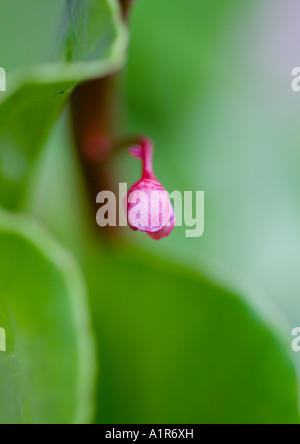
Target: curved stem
(125, 5)
(141, 148)
(93, 107)
(147, 148)
(144, 151)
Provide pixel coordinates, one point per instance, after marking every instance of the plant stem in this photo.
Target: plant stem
(93, 111)
(125, 5)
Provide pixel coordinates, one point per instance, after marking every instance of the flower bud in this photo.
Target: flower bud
(149, 208)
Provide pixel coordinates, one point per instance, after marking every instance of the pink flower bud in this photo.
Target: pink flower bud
(149, 208)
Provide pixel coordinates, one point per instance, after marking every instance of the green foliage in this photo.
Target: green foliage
(47, 373)
(37, 93)
(176, 348)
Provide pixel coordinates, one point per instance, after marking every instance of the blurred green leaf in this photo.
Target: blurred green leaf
(176, 348)
(92, 40)
(47, 373)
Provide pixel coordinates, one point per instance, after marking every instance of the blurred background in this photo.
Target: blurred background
(224, 117)
(194, 330)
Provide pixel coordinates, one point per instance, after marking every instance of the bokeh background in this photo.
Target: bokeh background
(184, 330)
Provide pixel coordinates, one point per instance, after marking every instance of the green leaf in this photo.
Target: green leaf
(47, 372)
(177, 349)
(91, 43)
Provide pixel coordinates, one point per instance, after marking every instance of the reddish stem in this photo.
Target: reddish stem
(144, 151)
(125, 5)
(93, 115)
